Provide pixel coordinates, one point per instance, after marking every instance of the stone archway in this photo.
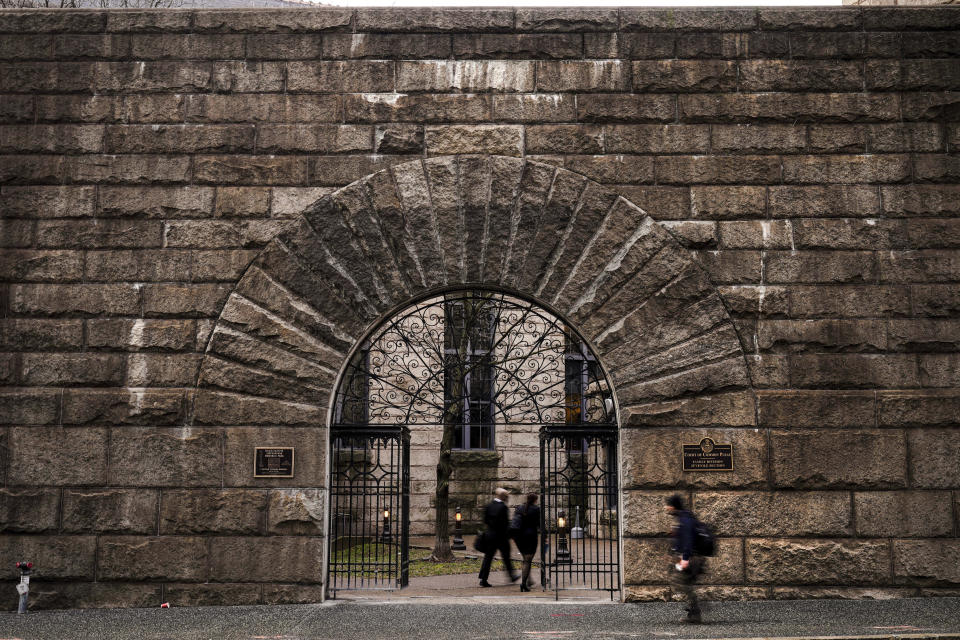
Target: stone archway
(648, 309)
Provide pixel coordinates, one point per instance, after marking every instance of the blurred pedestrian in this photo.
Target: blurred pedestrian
(527, 536)
(497, 536)
(689, 563)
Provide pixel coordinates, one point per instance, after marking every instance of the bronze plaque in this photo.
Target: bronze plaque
(273, 462)
(708, 456)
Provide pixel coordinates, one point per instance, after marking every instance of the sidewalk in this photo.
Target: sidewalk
(498, 617)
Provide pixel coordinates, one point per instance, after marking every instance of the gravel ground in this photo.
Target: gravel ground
(495, 617)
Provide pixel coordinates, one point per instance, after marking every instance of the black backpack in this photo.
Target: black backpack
(704, 543)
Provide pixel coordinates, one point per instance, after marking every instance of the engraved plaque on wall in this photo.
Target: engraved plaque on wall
(273, 462)
(707, 455)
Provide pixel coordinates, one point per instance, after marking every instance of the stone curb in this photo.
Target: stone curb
(897, 636)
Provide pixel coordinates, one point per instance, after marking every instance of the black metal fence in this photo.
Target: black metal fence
(578, 481)
(369, 505)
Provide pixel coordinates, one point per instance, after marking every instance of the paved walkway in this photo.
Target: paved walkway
(498, 617)
(466, 585)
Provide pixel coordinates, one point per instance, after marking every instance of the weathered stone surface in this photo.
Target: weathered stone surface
(934, 458)
(494, 139)
(813, 513)
(211, 595)
(288, 378)
(645, 594)
(626, 108)
(566, 19)
(63, 557)
(644, 513)
(146, 335)
(838, 459)
(782, 107)
(724, 410)
(883, 514)
(152, 558)
(718, 344)
(648, 561)
(110, 511)
(309, 445)
(585, 76)
(755, 234)
(728, 375)
(774, 561)
(721, 594)
(520, 46)
(296, 512)
(162, 370)
(468, 76)
(29, 510)
(260, 323)
(221, 511)
(666, 318)
(57, 456)
(142, 265)
(156, 202)
(688, 19)
(644, 450)
(684, 76)
(444, 20)
(84, 299)
(31, 333)
(256, 170)
(293, 593)
(424, 108)
(918, 408)
(827, 409)
(927, 562)
(840, 593)
(198, 300)
(267, 559)
(167, 457)
(89, 595)
(854, 371)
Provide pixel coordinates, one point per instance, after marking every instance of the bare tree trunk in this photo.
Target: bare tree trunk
(441, 545)
(451, 412)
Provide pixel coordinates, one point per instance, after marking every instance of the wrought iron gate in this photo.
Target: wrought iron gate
(578, 481)
(369, 505)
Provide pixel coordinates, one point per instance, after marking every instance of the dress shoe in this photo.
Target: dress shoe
(484, 583)
(524, 587)
(514, 577)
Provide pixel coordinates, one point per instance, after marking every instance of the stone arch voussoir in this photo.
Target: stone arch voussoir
(547, 233)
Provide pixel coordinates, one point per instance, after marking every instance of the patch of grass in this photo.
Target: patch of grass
(382, 556)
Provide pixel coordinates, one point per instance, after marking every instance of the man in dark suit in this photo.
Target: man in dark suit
(497, 519)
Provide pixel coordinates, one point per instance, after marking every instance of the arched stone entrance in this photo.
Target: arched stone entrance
(354, 257)
(456, 395)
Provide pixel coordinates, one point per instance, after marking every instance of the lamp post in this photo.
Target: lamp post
(458, 531)
(385, 534)
(563, 551)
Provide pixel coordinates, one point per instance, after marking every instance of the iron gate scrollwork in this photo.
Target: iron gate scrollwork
(483, 370)
(578, 478)
(369, 504)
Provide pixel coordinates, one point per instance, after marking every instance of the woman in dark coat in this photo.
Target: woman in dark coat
(528, 536)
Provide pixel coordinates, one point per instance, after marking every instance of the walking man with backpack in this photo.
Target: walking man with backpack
(692, 542)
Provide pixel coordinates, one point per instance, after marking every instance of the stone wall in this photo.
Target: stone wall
(806, 161)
